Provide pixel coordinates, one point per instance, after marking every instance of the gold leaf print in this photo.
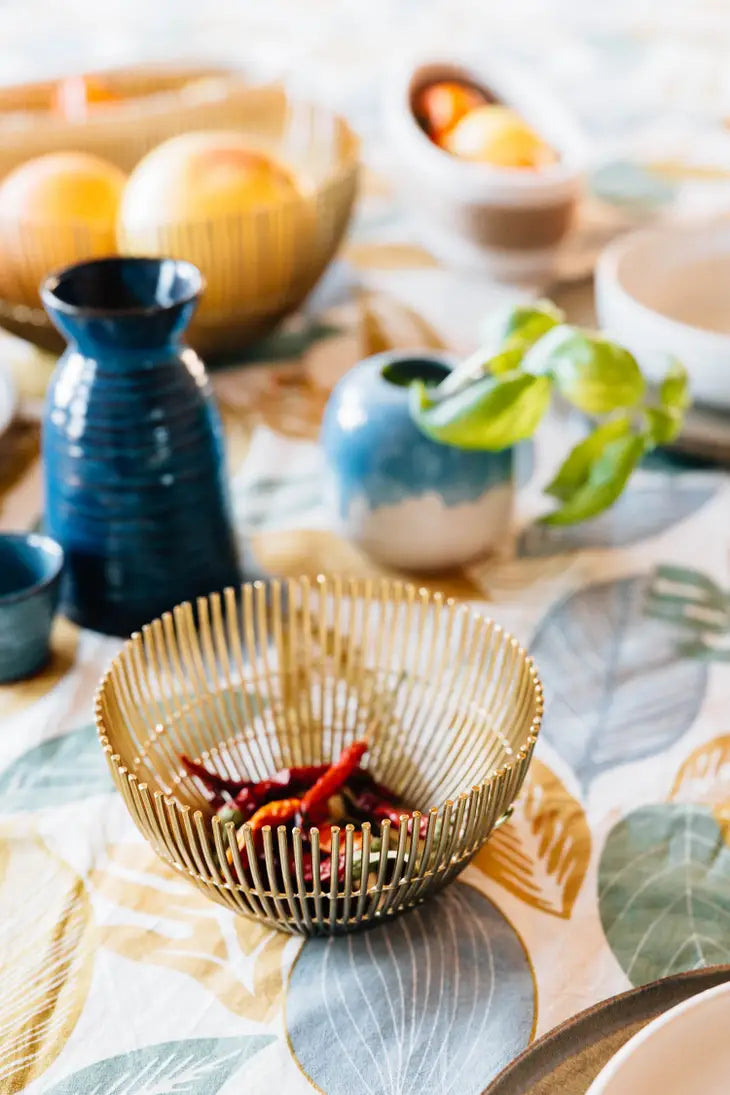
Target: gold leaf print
(387, 324)
(20, 449)
(390, 256)
(237, 435)
(290, 553)
(64, 641)
(704, 780)
(46, 957)
(542, 853)
(286, 398)
(172, 925)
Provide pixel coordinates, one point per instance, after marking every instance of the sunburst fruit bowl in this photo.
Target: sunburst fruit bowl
(291, 674)
(257, 193)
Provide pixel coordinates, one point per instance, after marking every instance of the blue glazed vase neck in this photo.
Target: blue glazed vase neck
(121, 308)
(126, 340)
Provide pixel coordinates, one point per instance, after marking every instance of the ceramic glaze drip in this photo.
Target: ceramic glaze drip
(133, 456)
(403, 498)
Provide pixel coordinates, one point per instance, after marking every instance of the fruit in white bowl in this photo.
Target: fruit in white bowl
(55, 210)
(440, 105)
(497, 135)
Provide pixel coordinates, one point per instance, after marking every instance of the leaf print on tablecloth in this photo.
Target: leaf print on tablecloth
(541, 854)
(615, 688)
(270, 502)
(704, 779)
(169, 923)
(197, 1066)
(645, 510)
(664, 891)
(46, 957)
(59, 770)
(388, 324)
(435, 1002)
(289, 553)
(697, 605)
(22, 694)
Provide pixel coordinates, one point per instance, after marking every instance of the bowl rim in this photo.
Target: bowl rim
(613, 1068)
(186, 812)
(41, 544)
(609, 281)
(53, 281)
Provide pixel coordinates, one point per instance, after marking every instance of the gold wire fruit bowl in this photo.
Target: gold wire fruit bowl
(287, 674)
(258, 264)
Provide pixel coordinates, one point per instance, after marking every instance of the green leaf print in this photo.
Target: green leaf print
(616, 688)
(646, 509)
(664, 891)
(198, 1066)
(698, 605)
(56, 771)
(435, 1002)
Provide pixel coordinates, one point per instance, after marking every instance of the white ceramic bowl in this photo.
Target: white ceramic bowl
(686, 1051)
(508, 223)
(666, 291)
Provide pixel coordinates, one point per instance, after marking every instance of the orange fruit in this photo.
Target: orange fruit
(232, 210)
(201, 175)
(496, 135)
(55, 210)
(440, 106)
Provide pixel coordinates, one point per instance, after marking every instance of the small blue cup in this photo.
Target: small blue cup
(30, 578)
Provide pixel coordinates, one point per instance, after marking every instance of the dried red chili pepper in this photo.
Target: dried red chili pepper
(314, 802)
(275, 813)
(288, 779)
(325, 837)
(306, 774)
(374, 808)
(297, 777)
(361, 780)
(271, 813)
(216, 784)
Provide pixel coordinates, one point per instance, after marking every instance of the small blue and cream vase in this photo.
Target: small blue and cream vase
(409, 502)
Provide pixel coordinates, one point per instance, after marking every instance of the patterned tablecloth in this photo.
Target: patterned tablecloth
(116, 977)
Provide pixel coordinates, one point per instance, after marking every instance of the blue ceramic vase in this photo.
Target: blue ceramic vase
(407, 501)
(133, 452)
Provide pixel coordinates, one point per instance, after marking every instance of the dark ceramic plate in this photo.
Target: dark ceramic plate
(567, 1060)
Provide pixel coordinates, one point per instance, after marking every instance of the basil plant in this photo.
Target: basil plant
(500, 394)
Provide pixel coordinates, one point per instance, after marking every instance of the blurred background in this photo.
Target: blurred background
(624, 64)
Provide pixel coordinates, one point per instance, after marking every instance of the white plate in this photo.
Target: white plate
(684, 1052)
(666, 292)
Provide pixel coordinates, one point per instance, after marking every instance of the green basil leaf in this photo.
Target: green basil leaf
(606, 480)
(521, 325)
(492, 413)
(506, 361)
(477, 366)
(665, 424)
(576, 468)
(593, 374)
(674, 391)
